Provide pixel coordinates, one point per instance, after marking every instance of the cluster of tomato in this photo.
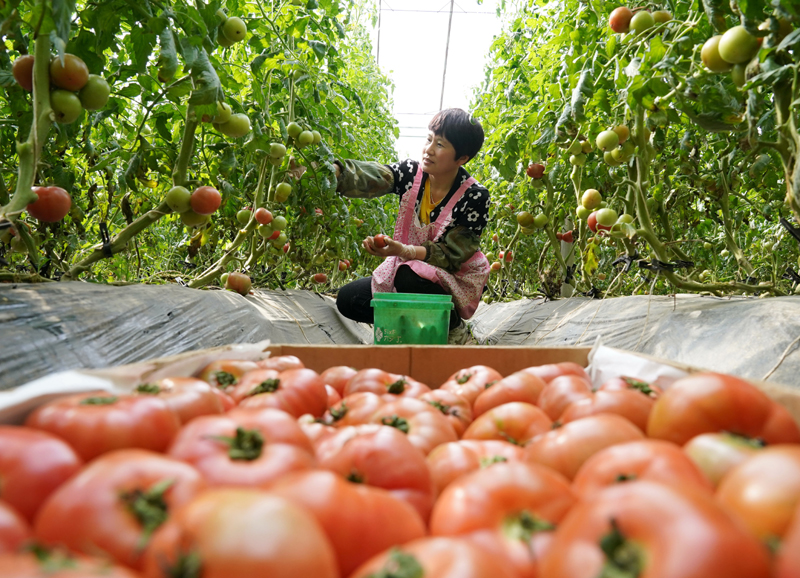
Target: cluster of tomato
(269, 469)
(74, 88)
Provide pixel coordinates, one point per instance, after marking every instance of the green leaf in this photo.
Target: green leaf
(62, 17)
(208, 89)
(130, 91)
(319, 48)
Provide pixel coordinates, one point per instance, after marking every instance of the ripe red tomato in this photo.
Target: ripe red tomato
(787, 562)
(630, 404)
(22, 69)
(58, 564)
(239, 283)
(116, 502)
(713, 402)
(281, 363)
(356, 408)
(380, 382)
(718, 453)
(333, 395)
(654, 460)
(662, 531)
(620, 19)
(454, 407)
(764, 490)
(552, 370)
(383, 457)
(225, 373)
(520, 386)
(52, 206)
(343, 266)
(15, 531)
(515, 422)
(205, 200)
(535, 170)
(617, 383)
(70, 74)
(320, 278)
(338, 376)
(437, 558)
(380, 240)
(449, 462)
(33, 464)
(240, 532)
(244, 447)
(96, 423)
(471, 382)
(263, 216)
(567, 448)
(360, 521)
(561, 392)
(295, 391)
(567, 237)
(188, 397)
(424, 425)
(514, 500)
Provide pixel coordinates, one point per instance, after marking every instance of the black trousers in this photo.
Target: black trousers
(353, 299)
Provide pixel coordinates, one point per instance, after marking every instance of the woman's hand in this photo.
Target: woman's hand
(392, 249)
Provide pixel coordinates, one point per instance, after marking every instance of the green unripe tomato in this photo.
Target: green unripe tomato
(591, 199)
(625, 218)
(317, 137)
(178, 199)
(280, 240)
(234, 29)
(222, 40)
(724, 253)
(610, 160)
(265, 230)
(277, 150)
(618, 154)
(524, 219)
(282, 192)
(192, 219)
(305, 138)
(540, 220)
(294, 129)
(66, 106)
(628, 149)
(707, 246)
(661, 16)
(279, 223)
(243, 216)
(583, 213)
(224, 112)
(224, 278)
(237, 126)
(737, 45)
(94, 95)
(738, 74)
(586, 147)
(711, 57)
(603, 204)
(578, 160)
(575, 148)
(607, 140)
(642, 21)
(606, 217)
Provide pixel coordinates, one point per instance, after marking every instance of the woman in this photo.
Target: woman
(442, 213)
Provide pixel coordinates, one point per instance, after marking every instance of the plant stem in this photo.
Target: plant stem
(119, 241)
(179, 173)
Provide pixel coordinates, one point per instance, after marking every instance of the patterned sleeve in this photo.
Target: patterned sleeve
(462, 237)
(367, 180)
(456, 247)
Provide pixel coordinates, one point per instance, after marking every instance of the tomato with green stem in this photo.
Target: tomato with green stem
(295, 391)
(519, 386)
(450, 461)
(52, 205)
(424, 425)
(116, 503)
(515, 422)
(718, 453)
(22, 69)
(223, 530)
(650, 529)
(69, 72)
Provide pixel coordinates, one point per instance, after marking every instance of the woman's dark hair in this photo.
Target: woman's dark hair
(463, 131)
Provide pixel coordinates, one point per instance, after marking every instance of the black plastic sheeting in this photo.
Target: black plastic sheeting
(57, 326)
(749, 337)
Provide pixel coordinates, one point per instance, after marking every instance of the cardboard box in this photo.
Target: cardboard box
(430, 364)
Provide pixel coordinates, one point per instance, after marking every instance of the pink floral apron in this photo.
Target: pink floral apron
(466, 285)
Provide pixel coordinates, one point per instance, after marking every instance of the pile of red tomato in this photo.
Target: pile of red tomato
(269, 469)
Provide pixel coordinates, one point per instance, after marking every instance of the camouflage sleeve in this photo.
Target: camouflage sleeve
(456, 247)
(364, 179)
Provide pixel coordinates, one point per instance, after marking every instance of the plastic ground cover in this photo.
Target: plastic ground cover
(53, 327)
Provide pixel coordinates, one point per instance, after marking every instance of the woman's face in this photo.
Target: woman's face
(439, 156)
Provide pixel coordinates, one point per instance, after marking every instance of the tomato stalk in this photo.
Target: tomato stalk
(399, 565)
(179, 173)
(148, 507)
(730, 242)
(524, 525)
(397, 422)
(623, 558)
